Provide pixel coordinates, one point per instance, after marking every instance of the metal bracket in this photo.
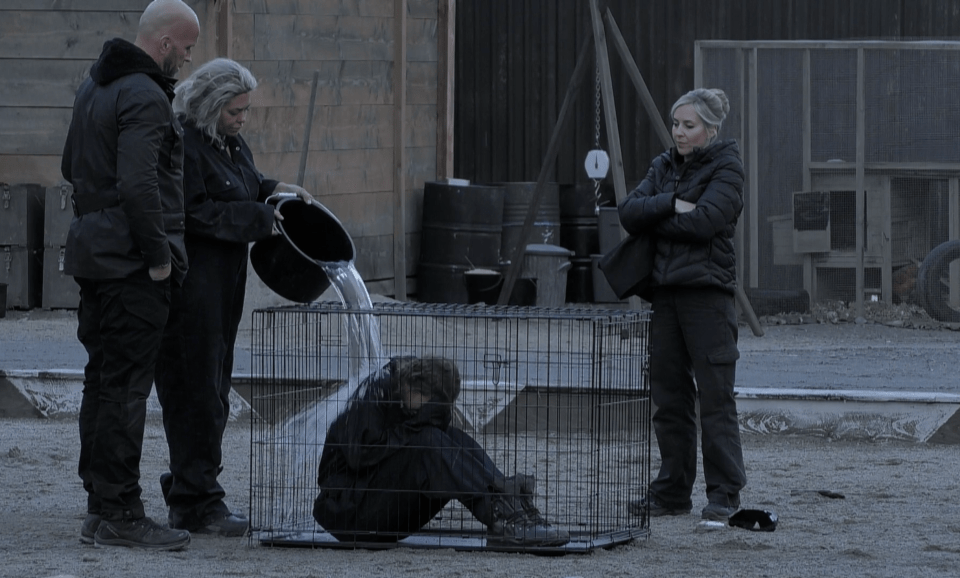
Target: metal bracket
(6, 196)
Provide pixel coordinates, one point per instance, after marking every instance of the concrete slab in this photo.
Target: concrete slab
(919, 417)
(57, 393)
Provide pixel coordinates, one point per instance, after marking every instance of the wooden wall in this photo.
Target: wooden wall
(351, 152)
(514, 61)
(47, 47)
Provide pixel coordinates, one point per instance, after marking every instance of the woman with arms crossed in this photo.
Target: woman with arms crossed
(689, 202)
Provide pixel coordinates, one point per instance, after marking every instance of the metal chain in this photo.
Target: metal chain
(596, 138)
(596, 133)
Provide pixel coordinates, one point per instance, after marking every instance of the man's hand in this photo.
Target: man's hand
(160, 273)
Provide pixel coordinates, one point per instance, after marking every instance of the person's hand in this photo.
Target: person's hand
(295, 189)
(683, 206)
(277, 217)
(160, 273)
(304, 195)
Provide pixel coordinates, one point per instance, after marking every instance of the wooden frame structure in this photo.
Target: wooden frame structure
(873, 211)
(597, 38)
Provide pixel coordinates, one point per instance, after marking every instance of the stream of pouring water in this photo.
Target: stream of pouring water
(304, 433)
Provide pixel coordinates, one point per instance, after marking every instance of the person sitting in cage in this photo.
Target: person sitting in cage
(392, 461)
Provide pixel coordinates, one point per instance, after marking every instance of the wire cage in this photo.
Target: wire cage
(558, 394)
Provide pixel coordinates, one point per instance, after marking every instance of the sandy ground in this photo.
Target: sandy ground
(899, 517)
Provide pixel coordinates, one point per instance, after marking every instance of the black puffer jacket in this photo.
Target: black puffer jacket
(693, 249)
(124, 158)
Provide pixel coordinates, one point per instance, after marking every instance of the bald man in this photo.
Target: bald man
(124, 158)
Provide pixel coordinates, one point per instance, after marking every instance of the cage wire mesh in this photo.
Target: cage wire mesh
(559, 394)
(844, 201)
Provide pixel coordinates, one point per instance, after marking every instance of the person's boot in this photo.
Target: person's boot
(141, 533)
(88, 529)
(517, 521)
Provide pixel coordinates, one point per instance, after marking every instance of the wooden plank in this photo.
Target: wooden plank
(334, 172)
(423, 8)
(835, 44)
(287, 82)
(243, 32)
(641, 87)
(31, 168)
(422, 39)
(860, 191)
(354, 127)
(399, 146)
(296, 37)
(378, 8)
(753, 162)
(809, 277)
(515, 140)
(224, 29)
(43, 83)
(953, 227)
(423, 88)
(355, 209)
(76, 5)
(39, 131)
(59, 34)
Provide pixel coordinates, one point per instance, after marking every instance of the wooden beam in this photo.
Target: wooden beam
(609, 106)
(633, 71)
(809, 271)
(399, 150)
(549, 160)
(861, 191)
(753, 161)
(306, 130)
(446, 61)
(224, 28)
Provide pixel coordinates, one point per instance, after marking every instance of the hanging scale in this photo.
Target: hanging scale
(597, 162)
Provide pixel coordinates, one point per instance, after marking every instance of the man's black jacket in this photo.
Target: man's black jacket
(124, 157)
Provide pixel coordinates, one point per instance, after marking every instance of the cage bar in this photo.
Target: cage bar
(559, 394)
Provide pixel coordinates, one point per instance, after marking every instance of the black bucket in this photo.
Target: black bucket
(483, 286)
(289, 263)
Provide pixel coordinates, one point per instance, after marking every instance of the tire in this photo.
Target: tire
(932, 289)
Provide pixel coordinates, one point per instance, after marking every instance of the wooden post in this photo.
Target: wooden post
(516, 256)
(400, 150)
(446, 51)
(633, 71)
(609, 106)
(224, 29)
(306, 129)
(861, 187)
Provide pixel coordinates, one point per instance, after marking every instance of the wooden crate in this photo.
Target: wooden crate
(20, 269)
(21, 215)
(58, 212)
(60, 291)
